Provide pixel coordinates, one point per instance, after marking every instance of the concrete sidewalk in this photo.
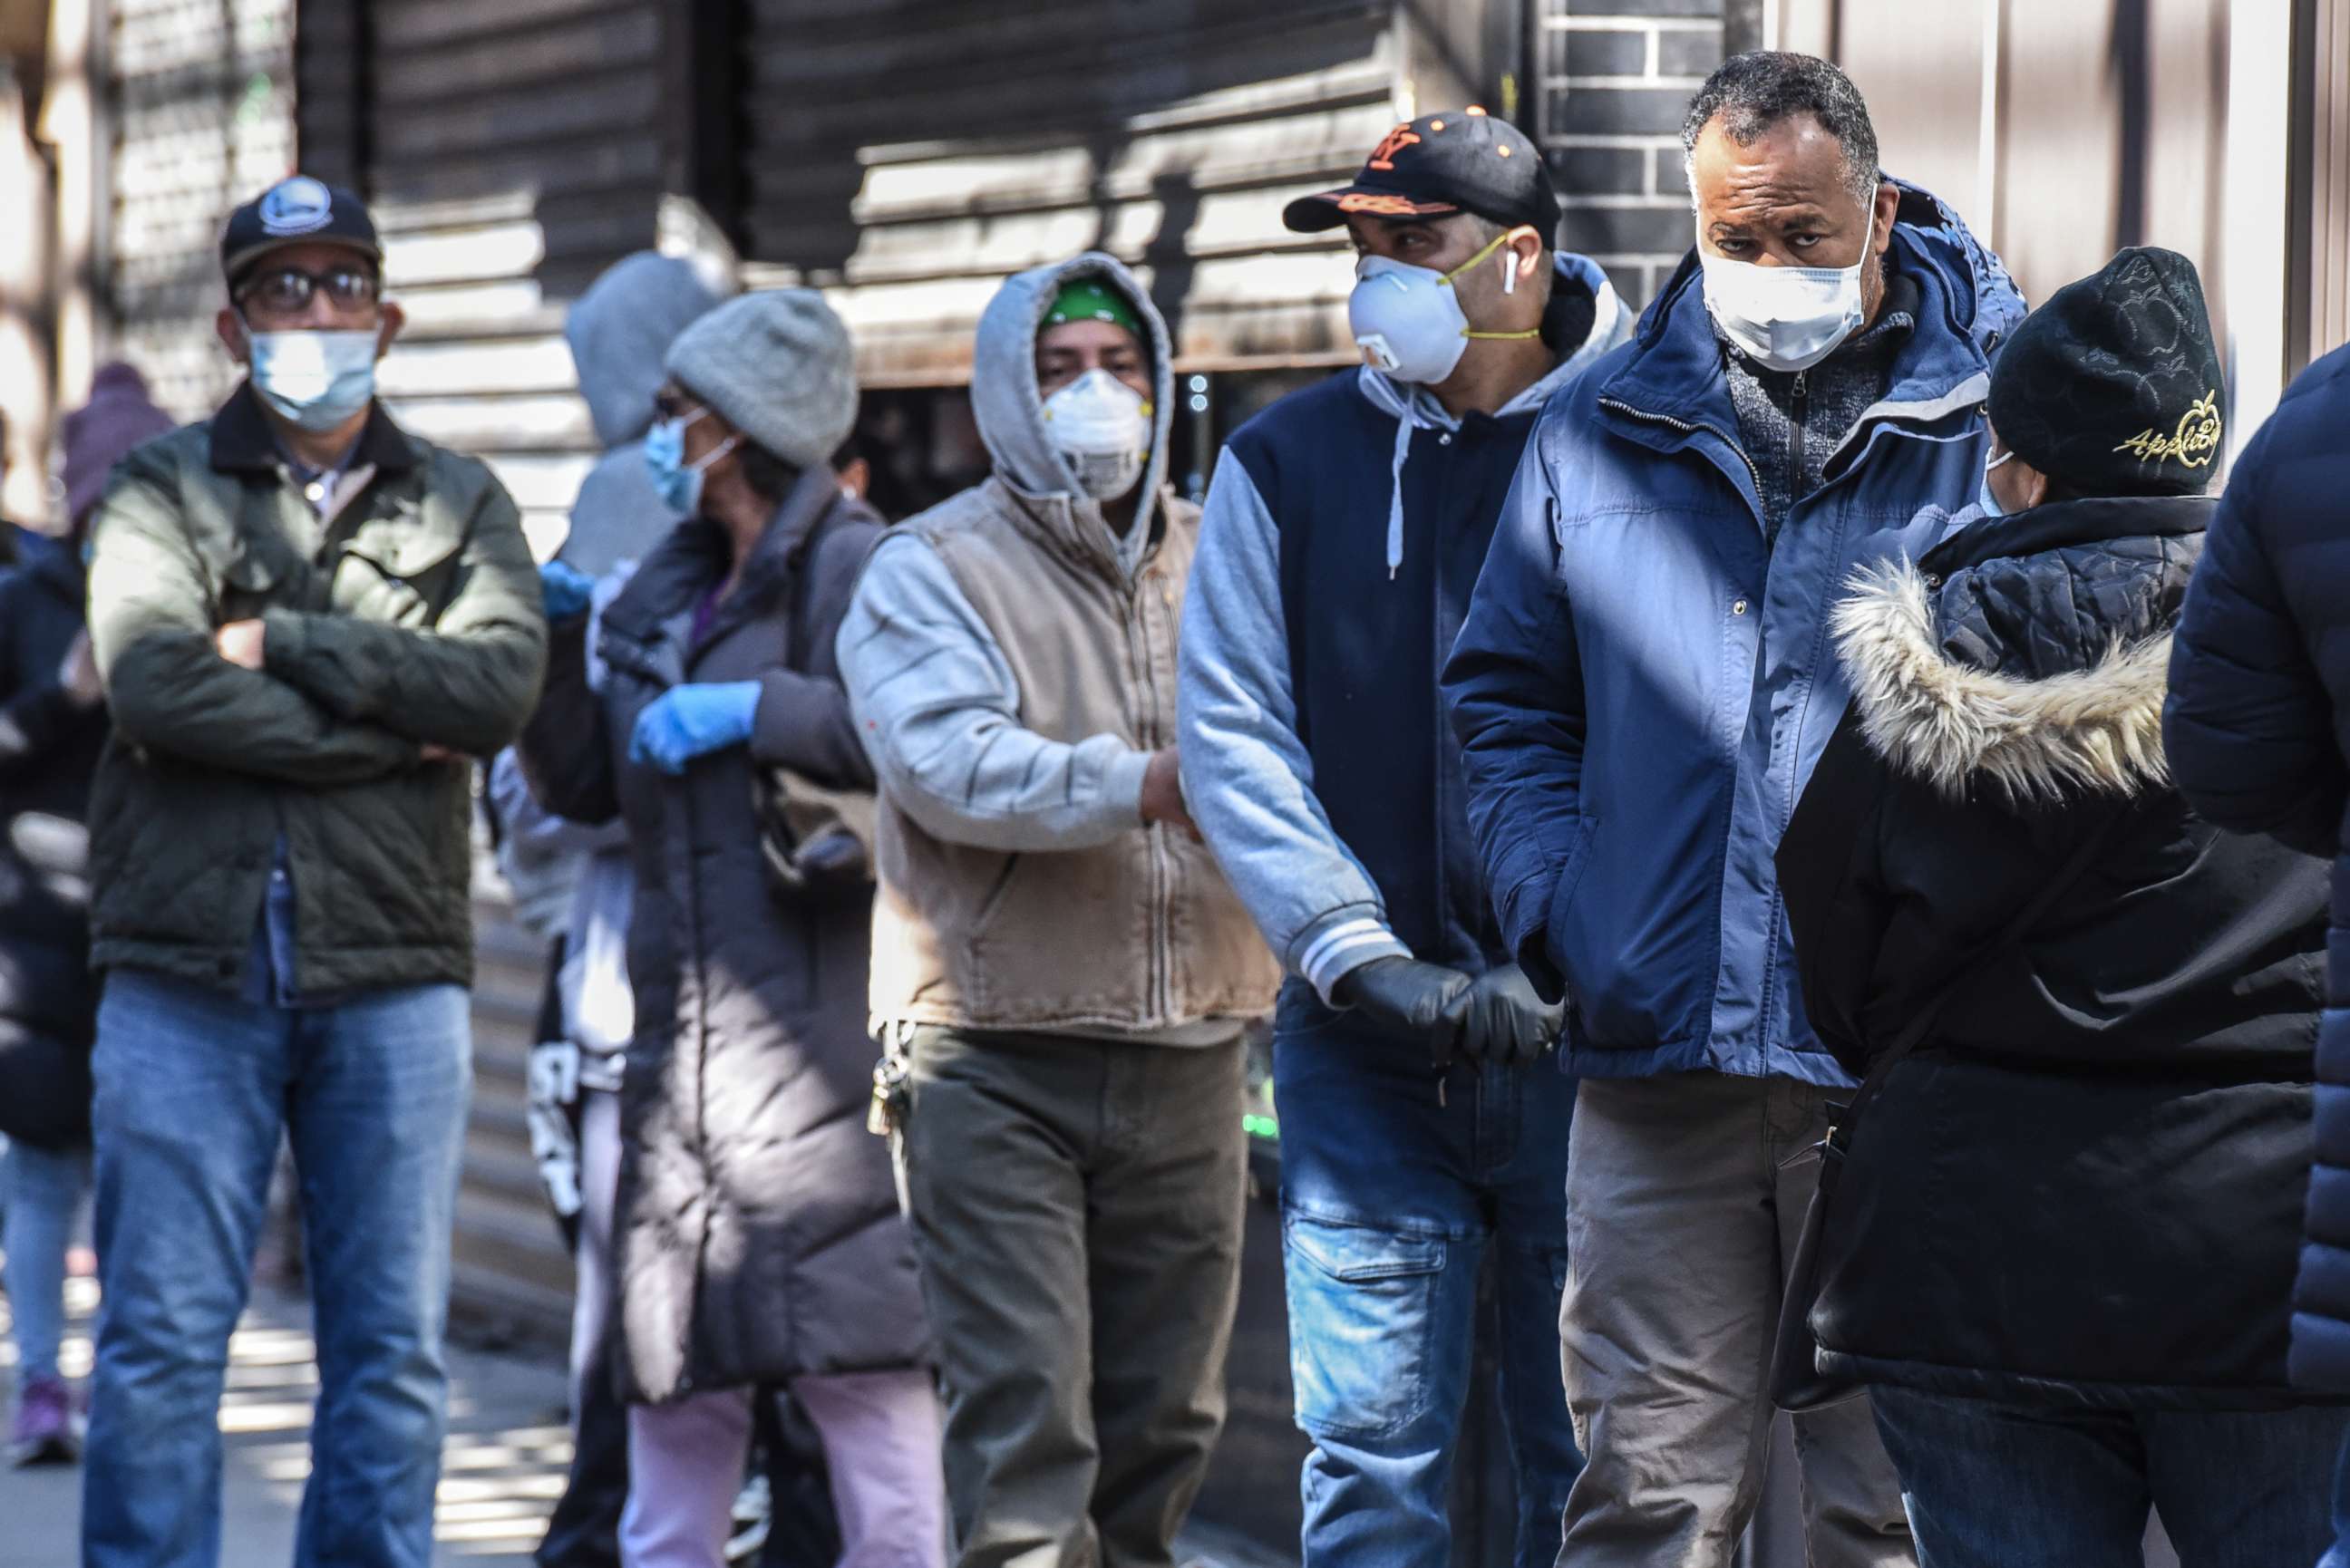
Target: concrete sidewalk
(502, 1471)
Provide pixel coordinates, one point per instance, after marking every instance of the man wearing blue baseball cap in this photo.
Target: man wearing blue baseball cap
(306, 620)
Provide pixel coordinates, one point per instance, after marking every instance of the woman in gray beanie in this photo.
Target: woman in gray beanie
(757, 1236)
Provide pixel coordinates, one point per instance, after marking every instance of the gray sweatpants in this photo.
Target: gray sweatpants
(1685, 1195)
(1076, 1207)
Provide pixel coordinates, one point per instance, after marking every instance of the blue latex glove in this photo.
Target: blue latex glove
(686, 722)
(567, 587)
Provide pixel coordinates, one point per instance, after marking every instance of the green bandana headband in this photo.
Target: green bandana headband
(1088, 299)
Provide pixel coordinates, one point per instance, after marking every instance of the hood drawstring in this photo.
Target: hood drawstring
(1405, 424)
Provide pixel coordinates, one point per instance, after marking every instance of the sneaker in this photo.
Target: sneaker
(752, 1515)
(48, 1427)
(47, 1430)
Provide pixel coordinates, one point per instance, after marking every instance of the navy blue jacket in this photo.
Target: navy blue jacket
(2257, 723)
(1643, 683)
(1340, 541)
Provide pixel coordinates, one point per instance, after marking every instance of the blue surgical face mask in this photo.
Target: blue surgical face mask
(1983, 497)
(676, 480)
(315, 381)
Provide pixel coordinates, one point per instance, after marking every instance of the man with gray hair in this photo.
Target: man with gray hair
(1641, 684)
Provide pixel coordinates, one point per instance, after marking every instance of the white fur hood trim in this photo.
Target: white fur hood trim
(2098, 729)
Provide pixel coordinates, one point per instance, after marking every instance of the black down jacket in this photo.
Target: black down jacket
(757, 1233)
(48, 751)
(2085, 1185)
(2259, 725)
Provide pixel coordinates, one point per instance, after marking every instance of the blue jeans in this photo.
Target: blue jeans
(44, 1189)
(2004, 1486)
(193, 1090)
(1390, 1200)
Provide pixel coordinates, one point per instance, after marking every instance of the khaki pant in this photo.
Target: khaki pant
(1076, 1207)
(1684, 1197)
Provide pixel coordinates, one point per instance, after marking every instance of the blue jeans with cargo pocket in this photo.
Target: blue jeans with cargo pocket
(1391, 1198)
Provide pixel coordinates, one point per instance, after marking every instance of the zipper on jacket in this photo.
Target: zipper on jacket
(1799, 402)
(1139, 650)
(1753, 473)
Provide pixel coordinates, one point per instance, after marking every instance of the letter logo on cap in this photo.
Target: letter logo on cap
(1383, 156)
(297, 206)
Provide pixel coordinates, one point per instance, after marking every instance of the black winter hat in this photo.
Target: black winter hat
(2113, 386)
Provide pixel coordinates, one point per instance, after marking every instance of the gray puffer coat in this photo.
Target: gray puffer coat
(757, 1235)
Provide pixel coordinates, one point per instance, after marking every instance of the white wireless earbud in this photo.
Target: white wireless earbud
(1509, 271)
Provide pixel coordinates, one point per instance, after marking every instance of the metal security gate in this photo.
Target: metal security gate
(510, 151)
(200, 98)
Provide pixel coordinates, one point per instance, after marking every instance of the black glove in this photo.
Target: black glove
(1503, 1021)
(1407, 999)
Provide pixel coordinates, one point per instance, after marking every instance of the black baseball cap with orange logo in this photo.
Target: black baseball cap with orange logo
(1455, 161)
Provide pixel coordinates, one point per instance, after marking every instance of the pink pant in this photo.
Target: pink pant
(881, 1443)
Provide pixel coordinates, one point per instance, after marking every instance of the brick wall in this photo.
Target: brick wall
(1612, 78)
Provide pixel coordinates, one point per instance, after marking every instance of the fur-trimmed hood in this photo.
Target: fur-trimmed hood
(2028, 653)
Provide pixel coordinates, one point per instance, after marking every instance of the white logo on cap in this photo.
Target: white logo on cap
(298, 206)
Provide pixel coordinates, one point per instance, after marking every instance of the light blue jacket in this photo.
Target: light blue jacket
(1642, 684)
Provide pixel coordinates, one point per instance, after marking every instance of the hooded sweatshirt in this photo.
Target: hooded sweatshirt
(978, 778)
(619, 333)
(1344, 532)
(567, 876)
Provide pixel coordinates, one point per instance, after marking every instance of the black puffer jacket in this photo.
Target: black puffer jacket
(758, 1236)
(48, 751)
(2085, 1185)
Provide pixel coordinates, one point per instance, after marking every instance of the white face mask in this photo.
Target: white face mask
(1786, 317)
(1101, 428)
(1407, 319)
(315, 380)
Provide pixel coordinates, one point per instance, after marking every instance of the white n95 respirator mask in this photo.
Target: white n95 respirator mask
(1407, 319)
(1101, 428)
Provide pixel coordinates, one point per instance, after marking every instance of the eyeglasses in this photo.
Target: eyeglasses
(288, 290)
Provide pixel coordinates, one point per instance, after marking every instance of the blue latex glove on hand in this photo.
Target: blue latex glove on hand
(567, 589)
(687, 721)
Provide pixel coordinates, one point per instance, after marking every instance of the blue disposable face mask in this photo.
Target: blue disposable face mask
(314, 380)
(1983, 497)
(676, 480)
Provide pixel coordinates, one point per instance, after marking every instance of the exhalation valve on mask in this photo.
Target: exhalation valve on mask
(1101, 428)
(1407, 319)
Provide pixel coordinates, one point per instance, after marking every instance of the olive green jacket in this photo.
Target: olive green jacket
(400, 612)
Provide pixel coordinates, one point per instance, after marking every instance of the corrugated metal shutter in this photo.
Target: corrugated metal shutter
(199, 96)
(908, 155)
(511, 152)
(511, 1265)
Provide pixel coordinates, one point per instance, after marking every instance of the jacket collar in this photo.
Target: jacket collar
(244, 442)
(1074, 529)
(694, 556)
(1975, 537)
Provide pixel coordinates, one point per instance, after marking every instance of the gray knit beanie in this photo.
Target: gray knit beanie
(776, 366)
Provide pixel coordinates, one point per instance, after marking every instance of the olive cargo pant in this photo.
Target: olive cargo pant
(1076, 1207)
